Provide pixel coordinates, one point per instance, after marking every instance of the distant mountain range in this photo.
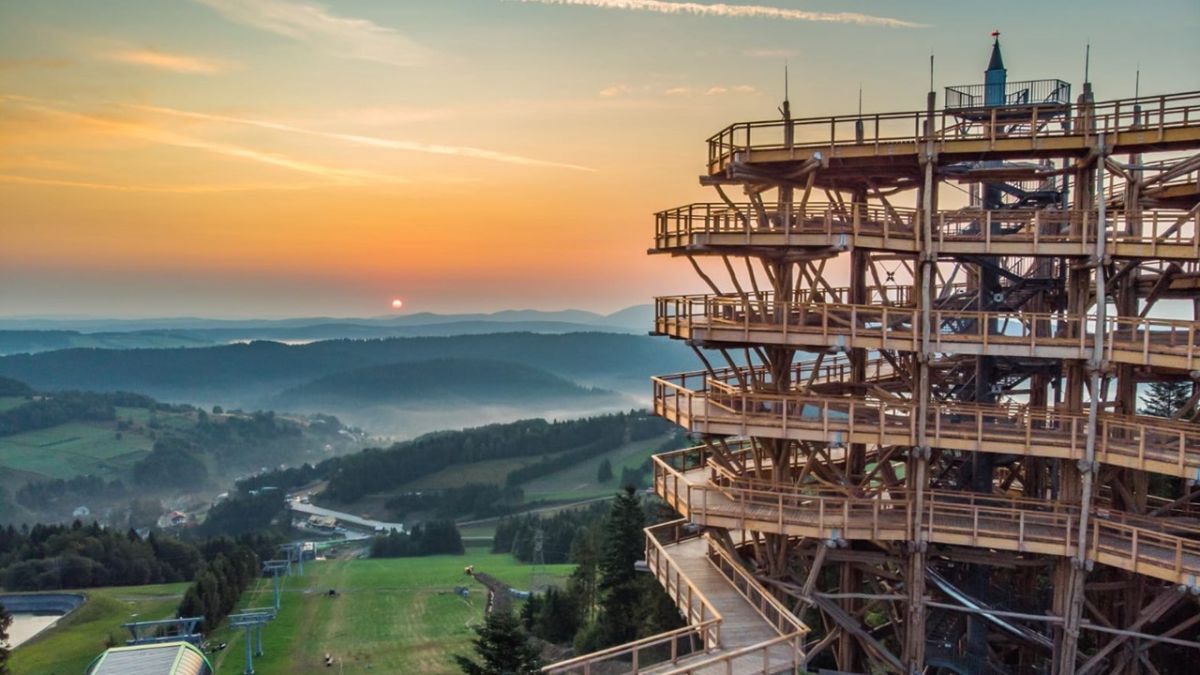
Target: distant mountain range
(433, 382)
(400, 386)
(34, 334)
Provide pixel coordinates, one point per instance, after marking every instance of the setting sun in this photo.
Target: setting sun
(397, 303)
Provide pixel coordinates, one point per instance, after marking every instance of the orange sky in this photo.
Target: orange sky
(284, 157)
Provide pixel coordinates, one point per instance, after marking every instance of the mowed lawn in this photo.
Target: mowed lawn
(396, 615)
(69, 646)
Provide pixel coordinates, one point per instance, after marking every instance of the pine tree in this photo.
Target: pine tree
(5, 622)
(503, 649)
(620, 594)
(604, 472)
(1164, 399)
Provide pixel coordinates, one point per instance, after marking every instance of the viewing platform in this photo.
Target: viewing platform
(1168, 344)
(889, 145)
(723, 228)
(704, 406)
(712, 496)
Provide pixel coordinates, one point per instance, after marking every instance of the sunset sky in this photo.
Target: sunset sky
(285, 157)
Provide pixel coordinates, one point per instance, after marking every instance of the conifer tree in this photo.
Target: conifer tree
(502, 648)
(620, 594)
(1164, 399)
(5, 622)
(604, 472)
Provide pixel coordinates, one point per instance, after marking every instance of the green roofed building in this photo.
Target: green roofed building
(168, 658)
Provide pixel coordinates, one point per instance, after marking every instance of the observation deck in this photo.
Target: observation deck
(807, 324)
(702, 405)
(1159, 234)
(890, 145)
(713, 496)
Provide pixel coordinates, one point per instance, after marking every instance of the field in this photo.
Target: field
(72, 449)
(389, 616)
(579, 482)
(67, 648)
(10, 402)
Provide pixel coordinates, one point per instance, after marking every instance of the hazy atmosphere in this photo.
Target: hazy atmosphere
(283, 158)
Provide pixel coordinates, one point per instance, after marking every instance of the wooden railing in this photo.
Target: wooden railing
(1132, 441)
(768, 606)
(1168, 343)
(1150, 116)
(1155, 232)
(704, 621)
(758, 656)
(1136, 543)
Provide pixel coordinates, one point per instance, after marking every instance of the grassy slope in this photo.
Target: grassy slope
(391, 616)
(68, 647)
(73, 448)
(10, 402)
(579, 482)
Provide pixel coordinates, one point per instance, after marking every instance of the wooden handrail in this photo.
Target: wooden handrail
(1143, 442)
(1162, 342)
(1131, 542)
(1162, 112)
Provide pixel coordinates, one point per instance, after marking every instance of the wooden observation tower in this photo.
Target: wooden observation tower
(926, 351)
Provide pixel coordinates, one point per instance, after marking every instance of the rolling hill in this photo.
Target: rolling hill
(433, 382)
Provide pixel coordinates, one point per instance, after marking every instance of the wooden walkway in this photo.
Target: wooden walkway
(743, 629)
(1156, 547)
(735, 626)
(894, 142)
(1163, 234)
(1141, 442)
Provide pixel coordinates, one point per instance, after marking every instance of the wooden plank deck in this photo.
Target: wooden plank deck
(1138, 547)
(741, 625)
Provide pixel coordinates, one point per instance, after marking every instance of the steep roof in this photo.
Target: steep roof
(996, 62)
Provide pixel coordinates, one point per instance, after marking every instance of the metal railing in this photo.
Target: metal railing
(1048, 92)
(1150, 117)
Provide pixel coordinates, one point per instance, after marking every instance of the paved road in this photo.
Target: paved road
(343, 517)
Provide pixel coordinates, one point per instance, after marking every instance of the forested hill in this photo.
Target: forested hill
(246, 373)
(467, 379)
(550, 445)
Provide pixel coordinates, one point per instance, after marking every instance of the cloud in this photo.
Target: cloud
(715, 90)
(371, 141)
(314, 24)
(177, 63)
(131, 187)
(152, 134)
(733, 11)
(615, 90)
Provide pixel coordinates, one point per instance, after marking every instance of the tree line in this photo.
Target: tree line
(431, 538)
(230, 569)
(377, 470)
(605, 602)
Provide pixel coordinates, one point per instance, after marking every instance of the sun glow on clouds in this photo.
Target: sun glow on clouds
(313, 24)
(177, 63)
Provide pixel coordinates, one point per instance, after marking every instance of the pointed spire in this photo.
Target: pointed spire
(996, 62)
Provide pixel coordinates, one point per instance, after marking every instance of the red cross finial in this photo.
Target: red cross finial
(996, 34)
